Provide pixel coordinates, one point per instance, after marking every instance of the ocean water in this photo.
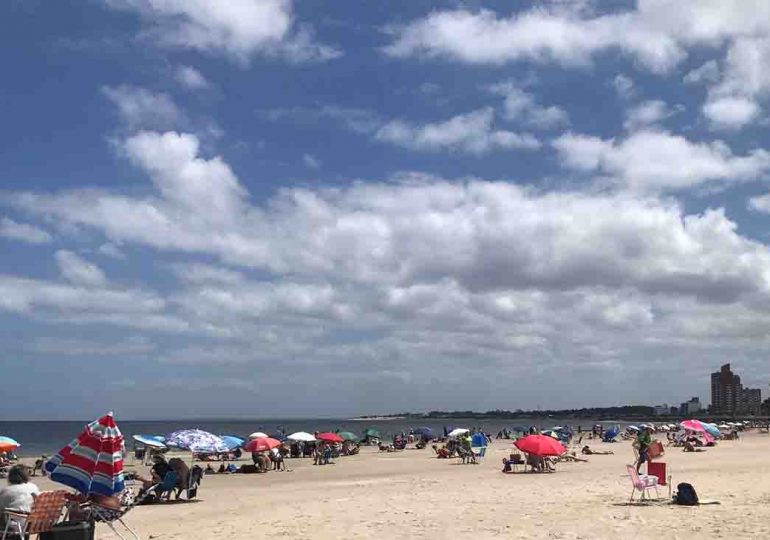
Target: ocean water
(41, 437)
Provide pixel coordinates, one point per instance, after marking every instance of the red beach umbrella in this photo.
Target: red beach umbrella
(329, 437)
(263, 444)
(92, 463)
(540, 445)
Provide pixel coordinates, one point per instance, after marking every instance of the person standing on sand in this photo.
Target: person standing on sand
(644, 440)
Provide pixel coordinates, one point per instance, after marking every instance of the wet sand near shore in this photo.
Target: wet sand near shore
(412, 494)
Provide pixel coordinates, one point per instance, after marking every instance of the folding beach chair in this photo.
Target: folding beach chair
(642, 483)
(110, 515)
(46, 511)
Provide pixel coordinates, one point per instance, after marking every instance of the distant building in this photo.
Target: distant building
(728, 396)
(674, 411)
(693, 406)
(661, 410)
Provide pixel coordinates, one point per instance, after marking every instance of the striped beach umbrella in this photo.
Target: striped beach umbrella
(8, 445)
(93, 462)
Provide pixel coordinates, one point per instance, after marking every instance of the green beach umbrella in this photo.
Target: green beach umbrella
(348, 436)
(371, 432)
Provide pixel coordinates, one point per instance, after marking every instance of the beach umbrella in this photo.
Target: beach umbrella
(424, 432)
(301, 436)
(262, 444)
(257, 435)
(348, 436)
(329, 437)
(551, 433)
(711, 429)
(540, 445)
(93, 462)
(196, 440)
(632, 428)
(371, 432)
(457, 432)
(232, 441)
(693, 425)
(8, 445)
(148, 440)
(723, 426)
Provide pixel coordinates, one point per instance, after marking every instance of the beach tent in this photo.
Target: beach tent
(93, 462)
(301, 436)
(478, 440)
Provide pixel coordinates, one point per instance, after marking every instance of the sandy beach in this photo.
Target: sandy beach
(412, 494)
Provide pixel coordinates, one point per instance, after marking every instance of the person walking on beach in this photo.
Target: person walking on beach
(644, 440)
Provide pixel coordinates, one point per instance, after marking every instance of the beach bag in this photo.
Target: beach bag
(686, 495)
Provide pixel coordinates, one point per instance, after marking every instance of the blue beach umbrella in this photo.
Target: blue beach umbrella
(196, 440)
(148, 440)
(232, 441)
(425, 432)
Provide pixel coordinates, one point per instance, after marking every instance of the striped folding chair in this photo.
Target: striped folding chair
(46, 511)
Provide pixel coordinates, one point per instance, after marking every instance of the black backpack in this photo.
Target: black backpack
(686, 495)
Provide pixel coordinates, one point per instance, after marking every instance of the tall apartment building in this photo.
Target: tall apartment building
(728, 396)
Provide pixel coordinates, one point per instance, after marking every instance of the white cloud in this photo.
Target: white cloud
(472, 132)
(23, 232)
(646, 114)
(140, 108)
(393, 280)
(311, 161)
(132, 345)
(650, 160)
(623, 85)
(198, 273)
(734, 101)
(237, 28)
(78, 270)
(657, 33)
(190, 78)
(208, 187)
(521, 105)
(111, 250)
(730, 112)
(708, 72)
(760, 203)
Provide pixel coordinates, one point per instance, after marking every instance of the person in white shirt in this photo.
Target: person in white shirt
(19, 494)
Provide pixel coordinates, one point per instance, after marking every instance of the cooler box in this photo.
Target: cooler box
(70, 531)
(657, 469)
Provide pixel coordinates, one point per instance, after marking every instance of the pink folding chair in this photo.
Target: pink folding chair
(642, 483)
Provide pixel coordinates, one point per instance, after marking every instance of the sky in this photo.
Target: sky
(268, 208)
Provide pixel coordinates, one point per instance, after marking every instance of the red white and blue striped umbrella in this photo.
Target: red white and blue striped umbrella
(92, 463)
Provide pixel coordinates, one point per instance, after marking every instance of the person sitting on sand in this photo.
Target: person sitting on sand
(20, 492)
(689, 447)
(586, 450)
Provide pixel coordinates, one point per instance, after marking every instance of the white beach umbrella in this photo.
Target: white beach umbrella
(457, 432)
(632, 428)
(258, 435)
(723, 426)
(301, 436)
